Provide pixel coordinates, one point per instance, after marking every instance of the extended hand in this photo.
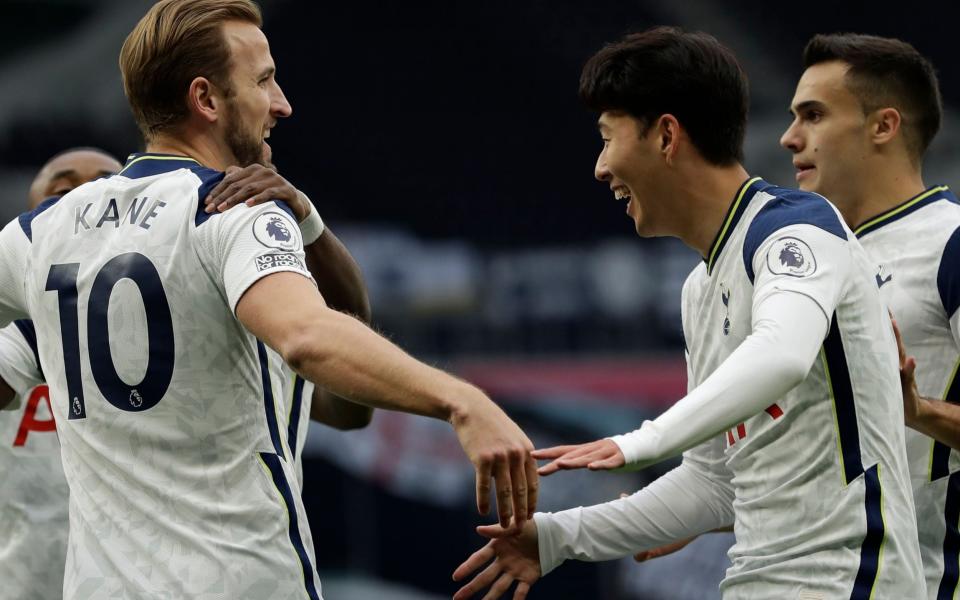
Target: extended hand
(255, 185)
(499, 450)
(515, 558)
(598, 455)
(908, 382)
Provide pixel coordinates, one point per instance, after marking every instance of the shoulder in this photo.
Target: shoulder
(948, 273)
(26, 219)
(789, 208)
(209, 178)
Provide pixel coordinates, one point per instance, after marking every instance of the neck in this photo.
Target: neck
(200, 148)
(880, 189)
(705, 196)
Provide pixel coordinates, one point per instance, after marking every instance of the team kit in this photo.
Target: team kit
(172, 324)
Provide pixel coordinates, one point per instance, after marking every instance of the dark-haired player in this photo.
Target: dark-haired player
(792, 426)
(865, 111)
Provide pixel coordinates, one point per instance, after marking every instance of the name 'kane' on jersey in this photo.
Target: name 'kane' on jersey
(916, 246)
(822, 495)
(169, 412)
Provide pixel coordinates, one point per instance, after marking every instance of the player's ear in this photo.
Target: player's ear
(884, 125)
(204, 100)
(668, 133)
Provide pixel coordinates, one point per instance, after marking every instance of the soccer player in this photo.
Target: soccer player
(33, 507)
(153, 318)
(793, 422)
(33, 499)
(865, 110)
(864, 113)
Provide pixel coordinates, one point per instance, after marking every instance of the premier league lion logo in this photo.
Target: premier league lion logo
(277, 229)
(791, 256)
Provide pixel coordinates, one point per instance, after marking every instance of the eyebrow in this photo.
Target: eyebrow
(805, 105)
(63, 173)
(266, 73)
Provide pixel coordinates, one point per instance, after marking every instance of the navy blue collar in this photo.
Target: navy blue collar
(144, 165)
(928, 196)
(741, 200)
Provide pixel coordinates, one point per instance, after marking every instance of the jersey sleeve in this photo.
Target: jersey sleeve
(245, 244)
(948, 283)
(19, 362)
(14, 246)
(689, 500)
(802, 259)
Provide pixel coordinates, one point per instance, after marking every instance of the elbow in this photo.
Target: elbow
(360, 420)
(792, 370)
(300, 349)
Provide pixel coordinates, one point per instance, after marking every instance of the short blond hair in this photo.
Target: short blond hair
(175, 42)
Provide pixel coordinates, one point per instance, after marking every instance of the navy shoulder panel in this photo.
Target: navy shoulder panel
(30, 334)
(790, 207)
(209, 179)
(26, 219)
(948, 275)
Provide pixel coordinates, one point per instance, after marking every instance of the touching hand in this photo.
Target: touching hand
(516, 557)
(598, 455)
(500, 451)
(908, 383)
(253, 185)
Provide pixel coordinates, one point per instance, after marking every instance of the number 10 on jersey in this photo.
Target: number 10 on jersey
(144, 395)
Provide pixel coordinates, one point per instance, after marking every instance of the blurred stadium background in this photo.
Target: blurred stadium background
(444, 142)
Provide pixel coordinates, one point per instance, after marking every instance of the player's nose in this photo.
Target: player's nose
(600, 170)
(279, 106)
(791, 139)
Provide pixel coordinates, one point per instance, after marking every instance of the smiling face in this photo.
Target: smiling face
(256, 102)
(630, 164)
(829, 136)
(69, 170)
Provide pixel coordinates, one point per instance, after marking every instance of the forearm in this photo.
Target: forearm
(681, 504)
(339, 353)
(338, 276)
(788, 331)
(337, 412)
(939, 420)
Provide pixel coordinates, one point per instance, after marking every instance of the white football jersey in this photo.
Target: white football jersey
(33, 497)
(298, 398)
(822, 505)
(916, 246)
(181, 480)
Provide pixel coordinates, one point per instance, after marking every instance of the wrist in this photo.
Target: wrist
(919, 418)
(311, 227)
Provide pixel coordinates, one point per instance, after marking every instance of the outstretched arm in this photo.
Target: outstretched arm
(337, 274)
(788, 330)
(338, 352)
(695, 497)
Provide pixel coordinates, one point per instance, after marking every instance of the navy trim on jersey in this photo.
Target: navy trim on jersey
(145, 165)
(928, 196)
(26, 219)
(838, 377)
(296, 404)
(29, 333)
(276, 471)
(738, 206)
(209, 179)
(873, 541)
(951, 541)
(269, 405)
(940, 454)
(790, 207)
(948, 275)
